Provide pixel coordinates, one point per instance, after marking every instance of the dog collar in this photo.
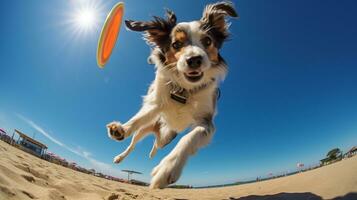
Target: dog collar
(181, 94)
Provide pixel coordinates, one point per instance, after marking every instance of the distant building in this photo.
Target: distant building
(2, 131)
(351, 152)
(30, 145)
(92, 171)
(5, 137)
(98, 174)
(326, 161)
(72, 165)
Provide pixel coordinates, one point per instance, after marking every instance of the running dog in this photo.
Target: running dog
(189, 68)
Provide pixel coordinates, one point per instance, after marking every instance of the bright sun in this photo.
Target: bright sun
(86, 18)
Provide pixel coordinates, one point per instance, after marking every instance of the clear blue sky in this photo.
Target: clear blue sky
(289, 97)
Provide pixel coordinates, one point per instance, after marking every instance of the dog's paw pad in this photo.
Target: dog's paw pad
(116, 131)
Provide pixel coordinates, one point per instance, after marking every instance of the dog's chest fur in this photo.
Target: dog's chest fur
(179, 116)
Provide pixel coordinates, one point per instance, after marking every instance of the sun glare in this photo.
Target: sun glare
(86, 18)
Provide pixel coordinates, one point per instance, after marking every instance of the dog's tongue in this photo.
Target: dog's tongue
(194, 73)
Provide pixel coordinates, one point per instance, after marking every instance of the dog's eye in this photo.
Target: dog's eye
(206, 41)
(177, 45)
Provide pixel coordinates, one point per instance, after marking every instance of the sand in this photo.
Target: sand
(23, 176)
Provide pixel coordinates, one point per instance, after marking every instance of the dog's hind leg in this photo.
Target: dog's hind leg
(136, 138)
(170, 168)
(153, 150)
(155, 145)
(164, 136)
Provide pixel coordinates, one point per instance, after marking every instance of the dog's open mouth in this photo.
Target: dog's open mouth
(194, 76)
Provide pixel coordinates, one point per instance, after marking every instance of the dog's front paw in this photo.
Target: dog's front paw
(168, 171)
(119, 158)
(116, 131)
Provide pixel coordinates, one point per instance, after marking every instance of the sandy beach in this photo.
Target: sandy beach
(23, 176)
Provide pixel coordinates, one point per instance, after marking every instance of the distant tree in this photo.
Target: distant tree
(334, 154)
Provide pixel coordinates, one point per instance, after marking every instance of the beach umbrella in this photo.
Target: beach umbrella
(51, 154)
(300, 165)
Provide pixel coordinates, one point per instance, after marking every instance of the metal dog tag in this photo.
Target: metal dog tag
(179, 96)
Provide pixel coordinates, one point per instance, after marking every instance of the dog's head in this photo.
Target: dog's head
(189, 51)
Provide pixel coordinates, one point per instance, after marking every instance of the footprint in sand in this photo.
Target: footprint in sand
(120, 190)
(132, 196)
(113, 197)
(8, 192)
(9, 173)
(35, 173)
(29, 178)
(55, 195)
(31, 196)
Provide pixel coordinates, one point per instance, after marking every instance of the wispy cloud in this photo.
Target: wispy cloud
(96, 164)
(39, 129)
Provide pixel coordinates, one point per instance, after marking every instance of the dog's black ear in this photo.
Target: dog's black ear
(213, 20)
(157, 31)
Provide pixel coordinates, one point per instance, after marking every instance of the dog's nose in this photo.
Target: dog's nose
(194, 62)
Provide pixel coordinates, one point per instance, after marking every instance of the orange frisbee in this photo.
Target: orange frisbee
(109, 34)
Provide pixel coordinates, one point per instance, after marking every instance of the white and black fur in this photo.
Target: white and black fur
(188, 67)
